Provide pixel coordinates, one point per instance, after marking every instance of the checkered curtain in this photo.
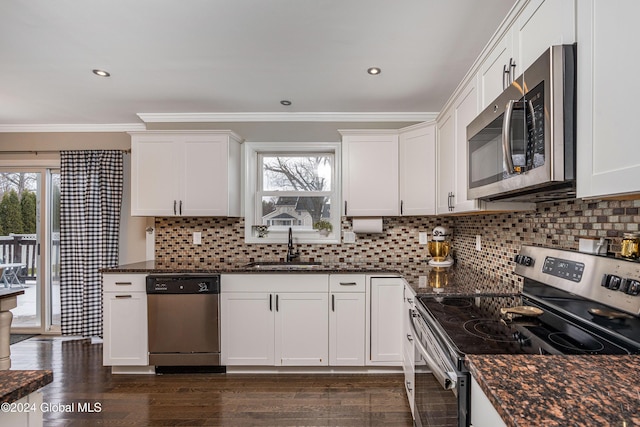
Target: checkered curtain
(90, 200)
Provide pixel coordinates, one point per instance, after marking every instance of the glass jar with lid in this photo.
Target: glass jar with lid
(630, 245)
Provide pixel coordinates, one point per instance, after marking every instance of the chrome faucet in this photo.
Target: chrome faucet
(292, 254)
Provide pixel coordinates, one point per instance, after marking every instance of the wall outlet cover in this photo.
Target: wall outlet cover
(349, 237)
(422, 237)
(197, 238)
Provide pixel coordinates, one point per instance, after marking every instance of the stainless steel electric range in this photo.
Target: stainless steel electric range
(571, 303)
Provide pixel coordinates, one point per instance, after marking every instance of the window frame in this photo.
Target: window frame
(252, 176)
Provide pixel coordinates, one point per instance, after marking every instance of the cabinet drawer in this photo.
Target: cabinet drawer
(347, 283)
(124, 282)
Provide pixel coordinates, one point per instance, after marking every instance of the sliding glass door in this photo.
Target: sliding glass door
(29, 245)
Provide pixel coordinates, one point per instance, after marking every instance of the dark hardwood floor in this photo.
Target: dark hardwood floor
(205, 399)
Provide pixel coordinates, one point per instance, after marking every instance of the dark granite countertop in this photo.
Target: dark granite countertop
(8, 293)
(15, 385)
(562, 391)
(424, 279)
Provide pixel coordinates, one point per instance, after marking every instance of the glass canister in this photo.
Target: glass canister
(630, 245)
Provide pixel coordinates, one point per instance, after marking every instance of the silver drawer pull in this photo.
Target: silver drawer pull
(124, 283)
(123, 296)
(348, 284)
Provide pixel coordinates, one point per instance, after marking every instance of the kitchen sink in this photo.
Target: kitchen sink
(280, 265)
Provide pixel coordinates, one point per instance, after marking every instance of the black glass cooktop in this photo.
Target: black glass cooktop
(475, 325)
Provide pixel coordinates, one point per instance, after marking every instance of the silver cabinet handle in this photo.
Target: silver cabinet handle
(345, 208)
(505, 77)
(512, 69)
(180, 207)
(348, 284)
(123, 296)
(333, 302)
(277, 305)
(401, 206)
(124, 283)
(270, 302)
(175, 212)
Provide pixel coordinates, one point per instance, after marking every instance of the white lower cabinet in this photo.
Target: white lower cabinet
(301, 332)
(274, 319)
(247, 328)
(408, 355)
(125, 320)
(347, 318)
(483, 413)
(385, 311)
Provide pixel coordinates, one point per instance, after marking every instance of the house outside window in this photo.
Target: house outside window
(292, 186)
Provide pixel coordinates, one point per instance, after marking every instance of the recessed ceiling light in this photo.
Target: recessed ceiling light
(285, 102)
(374, 71)
(101, 73)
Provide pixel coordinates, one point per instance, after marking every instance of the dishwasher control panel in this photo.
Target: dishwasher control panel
(183, 284)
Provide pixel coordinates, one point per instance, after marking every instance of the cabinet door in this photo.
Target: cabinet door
(465, 110)
(446, 163)
(386, 314)
(125, 329)
(608, 159)
(370, 174)
(418, 171)
(155, 175)
(302, 329)
(492, 70)
(347, 329)
(204, 187)
(247, 328)
(408, 356)
(483, 413)
(542, 24)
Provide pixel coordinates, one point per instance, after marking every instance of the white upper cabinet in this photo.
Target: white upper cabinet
(185, 173)
(531, 28)
(418, 169)
(497, 70)
(542, 24)
(608, 158)
(370, 173)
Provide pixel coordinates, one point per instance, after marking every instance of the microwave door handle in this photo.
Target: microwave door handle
(528, 161)
(506, 137)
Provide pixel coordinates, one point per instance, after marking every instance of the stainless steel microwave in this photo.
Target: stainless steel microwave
(522, 147)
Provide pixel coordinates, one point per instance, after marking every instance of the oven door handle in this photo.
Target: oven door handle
(448, 380)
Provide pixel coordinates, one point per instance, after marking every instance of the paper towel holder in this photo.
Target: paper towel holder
(367, 225)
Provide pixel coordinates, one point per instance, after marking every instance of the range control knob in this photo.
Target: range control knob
(611, 281)
(634, 287)
(527, 261)
(624, 286)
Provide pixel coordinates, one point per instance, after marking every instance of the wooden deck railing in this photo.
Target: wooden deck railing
(20, 248)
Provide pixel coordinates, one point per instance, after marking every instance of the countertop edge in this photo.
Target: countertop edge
(17, 384)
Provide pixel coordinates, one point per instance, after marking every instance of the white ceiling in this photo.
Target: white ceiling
(233, 56)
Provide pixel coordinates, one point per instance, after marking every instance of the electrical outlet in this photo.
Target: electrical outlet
(349, 237)
(422, 238)
(197, 238)
(478, 243)
(422, 281)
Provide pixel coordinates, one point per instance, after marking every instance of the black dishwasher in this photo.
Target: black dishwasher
(183, 320)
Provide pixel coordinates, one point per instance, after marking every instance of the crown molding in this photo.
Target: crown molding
(286, 117)
(114, 127)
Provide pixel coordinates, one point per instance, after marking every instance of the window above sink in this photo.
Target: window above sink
(292, 185)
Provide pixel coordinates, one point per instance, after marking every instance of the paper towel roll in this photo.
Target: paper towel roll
(367, 225)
